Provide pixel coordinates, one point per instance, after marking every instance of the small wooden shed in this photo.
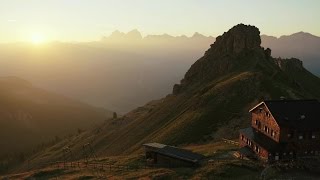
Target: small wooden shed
(170, 156)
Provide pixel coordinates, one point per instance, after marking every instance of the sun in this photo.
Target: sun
(37, 38)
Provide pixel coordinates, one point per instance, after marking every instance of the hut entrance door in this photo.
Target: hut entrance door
(155, 157)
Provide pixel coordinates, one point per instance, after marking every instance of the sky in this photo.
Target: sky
(88, 20)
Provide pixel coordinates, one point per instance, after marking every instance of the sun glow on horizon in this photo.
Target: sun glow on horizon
(37, 38)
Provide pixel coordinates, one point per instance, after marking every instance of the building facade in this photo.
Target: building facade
(282, 129)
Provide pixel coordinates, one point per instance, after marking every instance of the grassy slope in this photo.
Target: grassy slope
(239, 169)
(229, 168)
(29, 115)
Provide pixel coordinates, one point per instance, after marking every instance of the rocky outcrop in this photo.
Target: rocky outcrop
(267, 53)
(240, 37)
(223, 55)
(292, 64)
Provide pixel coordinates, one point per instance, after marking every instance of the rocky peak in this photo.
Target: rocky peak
(225, 55)
(134, 34)
(240, 37)
(198, 35)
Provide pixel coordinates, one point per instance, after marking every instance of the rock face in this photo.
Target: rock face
(240, 37)
(224, 55)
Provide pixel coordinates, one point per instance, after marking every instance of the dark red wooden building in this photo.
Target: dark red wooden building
(282, 129)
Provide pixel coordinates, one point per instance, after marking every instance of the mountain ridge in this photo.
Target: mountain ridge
(30, 116)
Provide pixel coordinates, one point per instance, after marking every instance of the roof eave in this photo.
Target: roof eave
(257, 106)
(179, 157)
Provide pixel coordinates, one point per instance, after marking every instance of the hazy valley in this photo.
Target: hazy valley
(125, 70)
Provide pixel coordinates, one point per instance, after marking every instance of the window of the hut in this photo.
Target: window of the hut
(259, 125)
(313, 135)
(256, 148)
(300, 136)
(265, 128)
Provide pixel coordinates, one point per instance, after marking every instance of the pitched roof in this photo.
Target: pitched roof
(303, 114)
(175, 152)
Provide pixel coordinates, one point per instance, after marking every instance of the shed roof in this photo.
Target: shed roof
(175, 152)
(303, 114)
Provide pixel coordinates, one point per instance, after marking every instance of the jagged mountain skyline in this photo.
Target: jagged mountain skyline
(137, 34)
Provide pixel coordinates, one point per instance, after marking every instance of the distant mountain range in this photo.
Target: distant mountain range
(136, 35)
(210, 102)
(304, 46)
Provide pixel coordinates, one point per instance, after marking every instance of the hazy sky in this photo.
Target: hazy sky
(83, 20)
